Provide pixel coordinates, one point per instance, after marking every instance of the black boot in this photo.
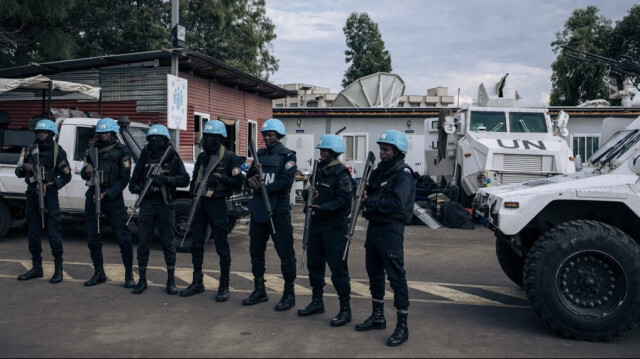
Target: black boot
(195, 287)
(171, 282)
(98, 276)
(401, 333)
(344, 316)
(259, 293)
(142, 282)
(376, 320)
(57, 274)
(128, 277)
(315, 307)
(223, 288)
(288, 299)
(34, 272)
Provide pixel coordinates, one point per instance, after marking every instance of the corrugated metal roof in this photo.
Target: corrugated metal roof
(201, 65)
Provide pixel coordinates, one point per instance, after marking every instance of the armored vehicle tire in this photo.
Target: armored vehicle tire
(511, 263)
(583, 280)
(5, 218)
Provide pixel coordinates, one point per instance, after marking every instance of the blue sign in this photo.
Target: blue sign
(299, 130)
(408, 131)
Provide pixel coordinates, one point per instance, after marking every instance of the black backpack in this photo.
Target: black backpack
(455, 216)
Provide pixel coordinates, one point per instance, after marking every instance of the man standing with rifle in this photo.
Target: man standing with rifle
(330, 207)
(271, 176)
(109, 172)
(45, 169)
(155, 178)
(216, 175)
(388, 206)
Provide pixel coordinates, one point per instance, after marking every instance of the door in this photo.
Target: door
(305, 147)
(415, 153)
(355, 154)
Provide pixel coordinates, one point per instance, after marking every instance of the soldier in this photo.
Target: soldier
(331, 205)
(47, 153)
(114, 160)
(156, 207)
(279, 167)
(212, 211)
(388, 206)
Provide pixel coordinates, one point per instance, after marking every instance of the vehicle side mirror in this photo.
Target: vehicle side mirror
(561, 123)
(449, 125)
(635, 165)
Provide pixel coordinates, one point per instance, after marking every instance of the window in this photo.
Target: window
(279, 105)
(252, 133)
(84, 137)
(293, 104)
(585, 146)
(488, 121)
(527, 122)
(312, 104)
(355, 146)
(414, 104)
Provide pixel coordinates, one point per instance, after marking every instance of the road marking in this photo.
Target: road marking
(447, 293)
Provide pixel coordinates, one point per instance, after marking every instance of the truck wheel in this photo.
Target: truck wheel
(5, 218)
(182, 208)
(512, 263)
(583, 280)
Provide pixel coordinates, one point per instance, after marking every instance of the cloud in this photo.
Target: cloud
(432, 42)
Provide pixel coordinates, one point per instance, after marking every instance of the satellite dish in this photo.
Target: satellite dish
(381, 89)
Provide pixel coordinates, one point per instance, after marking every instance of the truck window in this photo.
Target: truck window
(527, 122)
(84, 137)
(488, 121)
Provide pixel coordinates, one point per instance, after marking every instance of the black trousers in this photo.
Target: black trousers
(325, 245)
(259, 234)
(155, 213)
(212, 211)
(385, 254)
(116, 212)
(52, 220)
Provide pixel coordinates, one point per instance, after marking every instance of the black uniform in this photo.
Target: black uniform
(279, 167)
(114, 159)
(56, 174)
(156, 207)
(328, 229)
(223, 181)
(388, 206)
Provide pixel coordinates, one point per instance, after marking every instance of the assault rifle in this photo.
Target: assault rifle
(309, 210)
(199, 191)
(620, 69)
(263, 187)
(155, 169)
(357, 203)
(96, 182)
(39, 180)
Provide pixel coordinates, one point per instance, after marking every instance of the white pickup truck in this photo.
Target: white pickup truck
(74, 135)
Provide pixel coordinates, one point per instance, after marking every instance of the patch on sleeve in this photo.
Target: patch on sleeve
(235, 171)
(407, 170)
(126, 162)
(289, 165)
(66, 170)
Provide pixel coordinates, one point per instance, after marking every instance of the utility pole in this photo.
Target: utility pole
(178, 35)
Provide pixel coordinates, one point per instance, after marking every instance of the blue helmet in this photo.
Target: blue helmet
(107, 125)
(215, 127)
(273, 124)
(331, 142)
(159, 130)
(395, 138)
(46, 125)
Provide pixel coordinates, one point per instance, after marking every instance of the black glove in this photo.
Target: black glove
(135, 189)
(28, 167)
(159, 179)
(213, 180)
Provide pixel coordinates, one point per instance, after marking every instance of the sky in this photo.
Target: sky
(456, 44)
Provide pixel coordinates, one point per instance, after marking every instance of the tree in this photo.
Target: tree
(120, 26)
(366, 51)
(34, 31)
(234, 31)
(237, 32)
(575, 81)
